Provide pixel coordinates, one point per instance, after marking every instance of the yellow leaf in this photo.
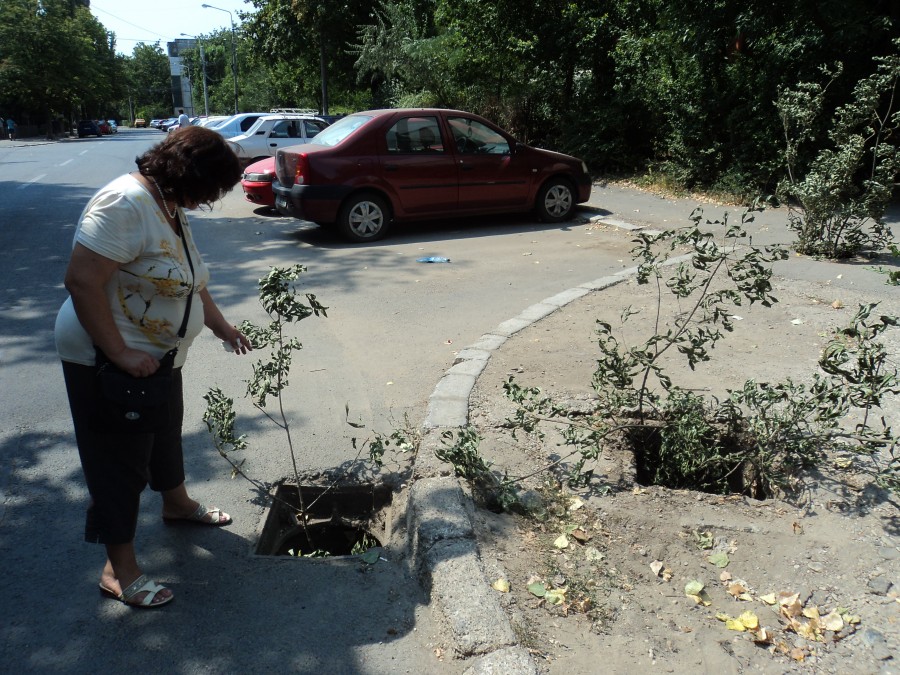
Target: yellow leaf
(769, 598)
(749, 620)
(807, 630)
(562, 541)
(722, 616)
(833, 621)
(811, 613)
(734, 624)
(693, 587)
(501, 585)
(555, 596)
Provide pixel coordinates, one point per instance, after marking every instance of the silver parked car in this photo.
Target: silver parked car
(275, 131)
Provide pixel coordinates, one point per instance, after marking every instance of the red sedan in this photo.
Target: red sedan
(257, 182)
(376, 167)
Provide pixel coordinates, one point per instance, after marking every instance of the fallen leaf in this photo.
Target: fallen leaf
(790, 604)
(749, 620)
(656, 567)
(722, 616)
(837, 304)
(562, 541)
(580, 535)
(736, 589)
(798, 528)
(725, 577)
(833, 621)
(371, 556)
(575, 504)
(762, 636)
(811, 613)
(719, 559)
(501, 585)
(695, 591)
(734, 624)
(704, 540)
(769, 598)
(584, 605)
(555, 596)
(638, 491)
(798, 654)
(593, 554)
(537, 589)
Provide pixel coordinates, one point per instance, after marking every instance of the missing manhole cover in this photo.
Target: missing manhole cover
(340, 521)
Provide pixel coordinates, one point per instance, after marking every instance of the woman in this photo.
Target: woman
(129, 281)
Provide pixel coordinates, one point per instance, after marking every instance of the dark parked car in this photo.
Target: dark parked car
(257, 182)
(88, 128)
(371, 168)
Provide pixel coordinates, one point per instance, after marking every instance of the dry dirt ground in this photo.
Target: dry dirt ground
(832, 548)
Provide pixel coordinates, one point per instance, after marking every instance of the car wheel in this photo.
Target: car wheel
(555, 201)
(363, 217)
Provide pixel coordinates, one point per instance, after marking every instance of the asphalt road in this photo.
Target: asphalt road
(393, 328)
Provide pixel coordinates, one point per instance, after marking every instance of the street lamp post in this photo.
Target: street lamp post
(203, 65)
(234, 72)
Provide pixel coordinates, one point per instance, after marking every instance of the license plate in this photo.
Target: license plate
(281, 202)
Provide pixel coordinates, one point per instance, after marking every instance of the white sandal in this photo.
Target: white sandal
(140, 585)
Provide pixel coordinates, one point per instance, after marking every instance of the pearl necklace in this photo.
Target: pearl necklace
(171, 214)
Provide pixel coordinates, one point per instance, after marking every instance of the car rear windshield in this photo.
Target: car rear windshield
(338, 131)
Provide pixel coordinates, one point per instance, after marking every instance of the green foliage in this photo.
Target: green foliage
(149, 81)
(282, 301)
(760, 438)
(842, 196)
(461, 452)
(55, 59)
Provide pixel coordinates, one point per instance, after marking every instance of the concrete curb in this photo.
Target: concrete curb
(443, 545)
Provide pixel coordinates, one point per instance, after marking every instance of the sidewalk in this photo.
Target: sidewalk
(552, 338)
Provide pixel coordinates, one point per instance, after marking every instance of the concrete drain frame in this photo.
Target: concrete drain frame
(339, 518)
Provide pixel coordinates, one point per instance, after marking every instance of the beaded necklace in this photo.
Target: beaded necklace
(171, 214)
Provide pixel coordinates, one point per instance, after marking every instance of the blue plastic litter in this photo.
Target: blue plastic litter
(433, 259)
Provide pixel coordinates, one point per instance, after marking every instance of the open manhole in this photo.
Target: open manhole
(339, 521)
(717, 463)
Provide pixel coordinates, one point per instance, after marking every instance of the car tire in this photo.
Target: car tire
(555, 201)
(363, 217)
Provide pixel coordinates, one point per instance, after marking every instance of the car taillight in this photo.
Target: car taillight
(301, 169)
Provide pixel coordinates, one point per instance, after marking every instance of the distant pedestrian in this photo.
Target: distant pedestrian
(183, 120)
(11, 128)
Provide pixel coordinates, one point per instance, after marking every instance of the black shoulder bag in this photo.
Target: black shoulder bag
(137, 405)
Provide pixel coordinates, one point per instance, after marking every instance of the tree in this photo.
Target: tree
(149, 81)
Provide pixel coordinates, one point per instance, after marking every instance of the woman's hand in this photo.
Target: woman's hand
(236, 340)
(135, 362)
(228, 334)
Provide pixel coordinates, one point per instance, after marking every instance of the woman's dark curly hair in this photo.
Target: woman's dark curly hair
(192, 166)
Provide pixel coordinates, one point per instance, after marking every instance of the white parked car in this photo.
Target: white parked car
(271, 132)
(213, 120)
(237, 124)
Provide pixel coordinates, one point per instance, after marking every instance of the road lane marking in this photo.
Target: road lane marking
(33, 180)
(82, 152)
(66, 162)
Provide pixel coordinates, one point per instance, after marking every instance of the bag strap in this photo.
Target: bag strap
(187, 310)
